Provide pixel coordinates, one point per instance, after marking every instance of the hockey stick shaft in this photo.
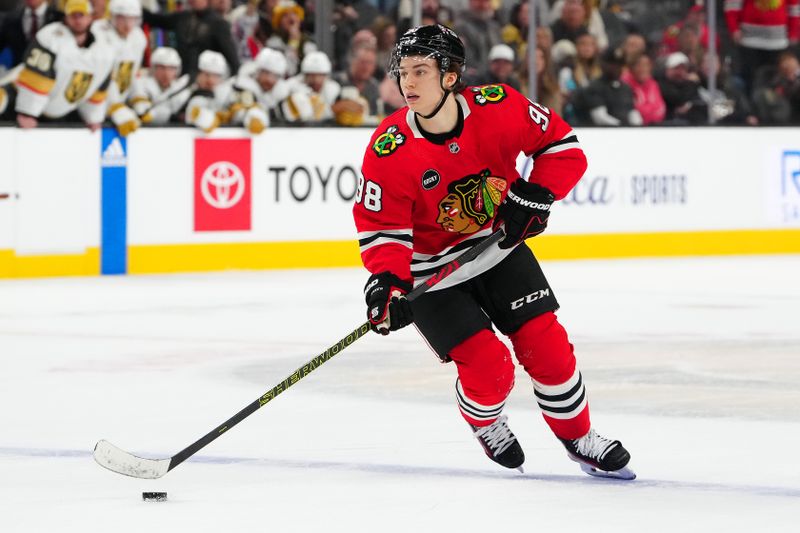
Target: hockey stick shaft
(309, 367)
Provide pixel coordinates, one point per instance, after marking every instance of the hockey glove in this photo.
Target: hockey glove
(524, 212)
(387, 307)
(124, 118)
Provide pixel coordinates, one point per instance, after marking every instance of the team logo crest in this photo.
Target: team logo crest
(470, 202)
(124, 75)
(489, 94)
(78, 86)
(388, 141)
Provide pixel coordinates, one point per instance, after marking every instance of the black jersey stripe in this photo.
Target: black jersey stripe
(457, 248)
(393, 236)
(567, 140)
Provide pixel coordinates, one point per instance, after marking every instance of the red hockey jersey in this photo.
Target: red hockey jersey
(765, 24)
(423, 200)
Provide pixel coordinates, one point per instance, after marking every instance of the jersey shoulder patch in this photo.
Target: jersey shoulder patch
(489, 94)
(387, 142)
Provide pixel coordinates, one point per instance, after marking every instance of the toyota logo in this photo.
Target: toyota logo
(222, 185)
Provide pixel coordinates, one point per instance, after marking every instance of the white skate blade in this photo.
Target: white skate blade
(623, 473)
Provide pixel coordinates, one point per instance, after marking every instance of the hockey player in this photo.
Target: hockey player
(65, 70)
(270, 72)
(122, 33)
(158, 98)
(205, 108)
(257, 89)
(438, 177)
(313, 92)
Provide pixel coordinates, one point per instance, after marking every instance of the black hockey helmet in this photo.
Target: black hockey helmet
(437, 42)
(434, 41)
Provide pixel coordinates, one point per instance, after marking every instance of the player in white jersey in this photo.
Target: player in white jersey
(312, 92)
(206, 107)
(257, 89)
(159, 98)
(270, 67)
(126, 38)
(65, 69)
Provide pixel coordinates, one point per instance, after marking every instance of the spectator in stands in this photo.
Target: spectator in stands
(607, 101)
(544, 39)
(311, 93)
(350, 16)
(258, 39)
(434, 13)
(547, 91)
(289, 37)
(778, 98)
(360, 102)
(480, 31)
(573, 17)
(386, 34)
(18, 29)
(515, 33)
(586, 67)
(244, 21)
(205, 108)
(647, 97)
(499, 70)
(696, 21)
(633, 46)
(728, 105)
(762, 30)
(222, 7)
(196, 30)
(680, 88)
(159, 97)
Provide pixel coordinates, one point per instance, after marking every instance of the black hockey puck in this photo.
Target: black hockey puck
(154, 496)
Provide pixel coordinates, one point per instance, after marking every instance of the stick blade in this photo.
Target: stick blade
(117, 460)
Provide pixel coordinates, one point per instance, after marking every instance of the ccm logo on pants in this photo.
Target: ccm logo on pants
(532, 297)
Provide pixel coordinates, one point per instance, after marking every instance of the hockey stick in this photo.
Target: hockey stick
(117, 460)
(183, 84)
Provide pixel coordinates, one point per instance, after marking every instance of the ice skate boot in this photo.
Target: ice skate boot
(599, 456)
(500, 444)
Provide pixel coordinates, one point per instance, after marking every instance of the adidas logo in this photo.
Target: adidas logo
(114, 155)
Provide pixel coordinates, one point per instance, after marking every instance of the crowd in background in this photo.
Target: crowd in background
(254, 63)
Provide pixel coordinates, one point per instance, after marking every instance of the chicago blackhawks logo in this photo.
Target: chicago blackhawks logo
(768, 5)
(489, 94)
(388, 141)
(470, 202)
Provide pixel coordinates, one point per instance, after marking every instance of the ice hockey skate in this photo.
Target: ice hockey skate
(500, 444)
(599, 456)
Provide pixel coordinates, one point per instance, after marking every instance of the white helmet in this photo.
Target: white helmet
(316, 63)
(128, 8)
(213, 63)
(165, 56)
(271, 61)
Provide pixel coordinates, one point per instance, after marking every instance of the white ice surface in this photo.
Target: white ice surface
(693, 363)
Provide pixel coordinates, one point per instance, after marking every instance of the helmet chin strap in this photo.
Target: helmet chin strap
(441, 102)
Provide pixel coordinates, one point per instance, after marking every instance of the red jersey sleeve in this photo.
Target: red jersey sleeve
(558, 160)
(733, 14)
(384, 205)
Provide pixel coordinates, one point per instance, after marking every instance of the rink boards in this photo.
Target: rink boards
(171, 200)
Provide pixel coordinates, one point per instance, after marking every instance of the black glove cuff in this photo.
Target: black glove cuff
(386, 279)
(533, 191)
